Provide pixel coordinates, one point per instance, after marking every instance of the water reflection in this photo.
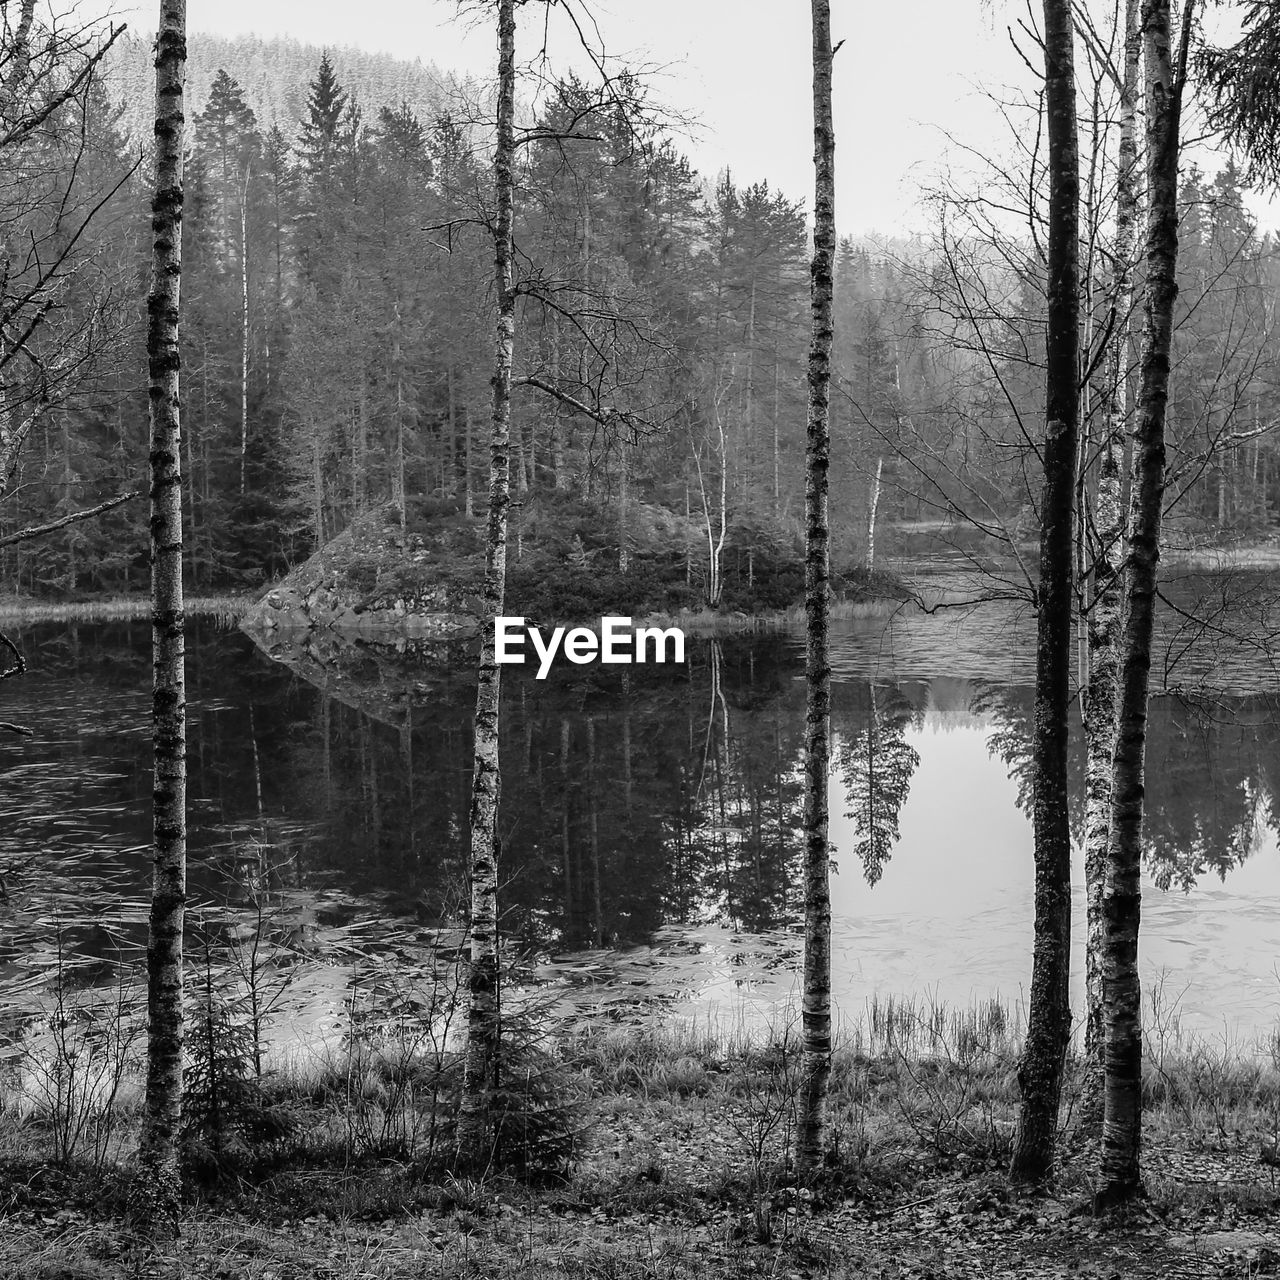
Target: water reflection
(650, 818)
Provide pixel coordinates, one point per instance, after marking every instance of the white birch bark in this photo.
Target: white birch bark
(873, 504)
(1104, 617)
(816, 1007)
(163, 1106)
(483, 1027)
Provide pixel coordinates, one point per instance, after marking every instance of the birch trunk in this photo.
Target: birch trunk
(244, 328)
(873, 504)
(1122, 1104)
(483, 1026)
(397, 358)
(810, 1128)
(624, 558)
(1104, 617)
(1049, 1020)
(163, 1106)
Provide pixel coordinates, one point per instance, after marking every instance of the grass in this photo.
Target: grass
(680, 1167)
(1253, 555)
(713, 622)
(227, 609)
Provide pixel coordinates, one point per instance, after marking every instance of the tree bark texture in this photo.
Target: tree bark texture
(1122, 1100)
(816, 1012)
(1049, 1020)
(163, 1106)
(1104, 616)
(483, 1025)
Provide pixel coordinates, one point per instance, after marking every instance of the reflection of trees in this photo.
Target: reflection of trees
(877, 766)
(1209, 778)
(1207, 785)
(1009, 712)
(629, 797)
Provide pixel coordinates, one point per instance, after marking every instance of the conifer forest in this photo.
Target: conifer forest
(570, 709)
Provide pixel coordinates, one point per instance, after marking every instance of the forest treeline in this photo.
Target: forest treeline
(336, 304)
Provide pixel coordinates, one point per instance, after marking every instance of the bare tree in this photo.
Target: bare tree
(1165, 78)
(1109, 525)
(817, 858)
(157, 1151)
(1049, 1018)
(599, 324)
(483, 1026)
(48, 68)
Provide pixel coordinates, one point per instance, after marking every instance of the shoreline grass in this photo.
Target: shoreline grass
(117, 609)
(678, 1167)
(1262, 556)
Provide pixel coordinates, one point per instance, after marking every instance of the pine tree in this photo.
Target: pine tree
(326, 104)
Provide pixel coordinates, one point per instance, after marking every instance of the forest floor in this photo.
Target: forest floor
(678, 1172)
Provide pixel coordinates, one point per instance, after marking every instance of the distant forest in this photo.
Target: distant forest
(337, 334)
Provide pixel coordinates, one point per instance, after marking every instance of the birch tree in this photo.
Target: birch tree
(1043, 1062)
(817, 855)
(1110, 524)
(163, 1107)
(1164, 74)
(483, 1027)
(482, 1060)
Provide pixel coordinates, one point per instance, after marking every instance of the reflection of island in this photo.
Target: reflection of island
(630, 797)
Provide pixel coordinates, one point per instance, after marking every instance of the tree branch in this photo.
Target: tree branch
(36, 531)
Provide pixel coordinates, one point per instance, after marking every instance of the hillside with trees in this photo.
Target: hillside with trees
(337, 314)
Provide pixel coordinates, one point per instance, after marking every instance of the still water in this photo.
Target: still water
(650, 816)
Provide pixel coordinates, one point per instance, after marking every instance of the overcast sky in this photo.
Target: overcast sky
(907, 76)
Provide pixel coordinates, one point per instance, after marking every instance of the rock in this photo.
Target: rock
(340, 586)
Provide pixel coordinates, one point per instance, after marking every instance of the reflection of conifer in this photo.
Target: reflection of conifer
(878, 766)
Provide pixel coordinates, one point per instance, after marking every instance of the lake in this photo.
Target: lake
(650, 815)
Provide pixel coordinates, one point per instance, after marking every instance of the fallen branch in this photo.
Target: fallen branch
(36, 531)
(19, 662)
(18, 667)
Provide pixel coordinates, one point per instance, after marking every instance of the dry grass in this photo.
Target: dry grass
(228, 609)
(683, 1168)
(1262, 555)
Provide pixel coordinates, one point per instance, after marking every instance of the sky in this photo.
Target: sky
(908, 99)
(740, 68)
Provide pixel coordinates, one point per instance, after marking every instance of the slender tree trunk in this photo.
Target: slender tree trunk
(777, 389)
(817, 897)
(360, 449)
(624, 558)
(1122, 1114)
(163, 1108)
(483, 1028)
(1049, 1020)
(317, 485)
(1104, 617)
(244, 327)
(400, 496)
(873, 505)
(557, 438)
(468, 502)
